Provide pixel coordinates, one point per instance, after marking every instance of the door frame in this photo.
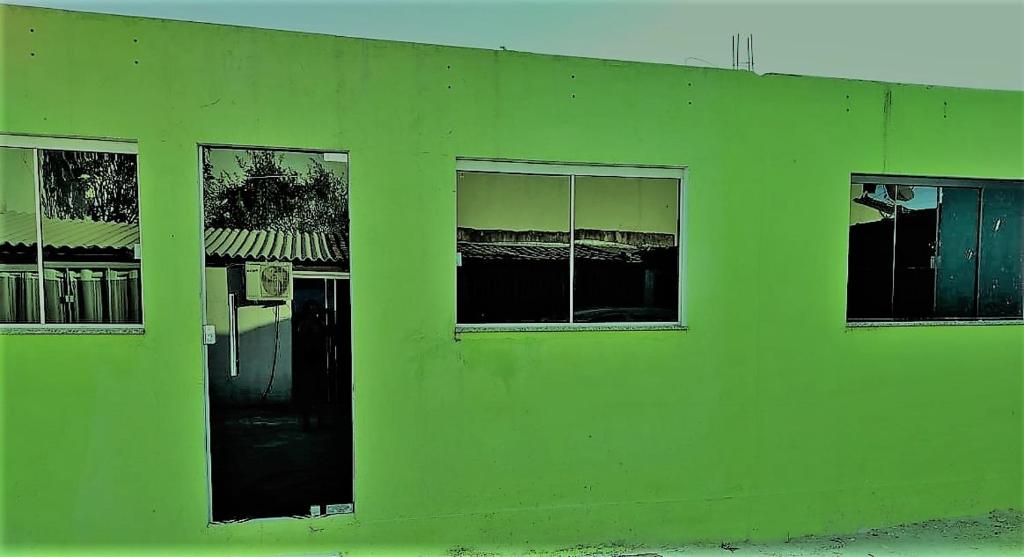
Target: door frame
(342, 156)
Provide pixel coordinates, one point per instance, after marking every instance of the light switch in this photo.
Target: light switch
(209, 334)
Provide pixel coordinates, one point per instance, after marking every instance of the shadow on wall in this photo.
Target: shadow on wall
(262, 331)
(256, 364)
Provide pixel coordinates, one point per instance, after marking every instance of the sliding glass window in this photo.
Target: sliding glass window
(934, 249)
(70, 251)
(550, 245)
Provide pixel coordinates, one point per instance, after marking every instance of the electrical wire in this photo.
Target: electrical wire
(277, 345)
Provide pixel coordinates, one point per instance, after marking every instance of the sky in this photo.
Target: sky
(965, 44)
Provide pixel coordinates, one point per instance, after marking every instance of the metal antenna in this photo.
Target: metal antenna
(738, 38)
(733, 38)
(748, 64)
(751, 52)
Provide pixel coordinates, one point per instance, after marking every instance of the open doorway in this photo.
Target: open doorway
(279, 364)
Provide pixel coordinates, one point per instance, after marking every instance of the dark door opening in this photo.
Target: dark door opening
(277, 330)
(281, 427)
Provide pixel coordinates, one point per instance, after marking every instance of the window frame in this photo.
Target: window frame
(572, 171)
(59, 143)
(932, 182)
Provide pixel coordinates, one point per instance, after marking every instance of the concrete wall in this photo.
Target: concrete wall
(768, 417)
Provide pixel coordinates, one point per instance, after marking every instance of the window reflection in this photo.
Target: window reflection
(626, 264)
(916, 243)
(513, 241)
(872, 213)
(956, 267)
(1000, 284)
(19, 272)
(90, 232)
(943, 251)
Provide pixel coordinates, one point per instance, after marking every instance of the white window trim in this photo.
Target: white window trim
(569, 169)
(338, 275)
(572, 170)
(328, 155)
(68, 144)
(941, 323)
(556, 327)
(72, 329)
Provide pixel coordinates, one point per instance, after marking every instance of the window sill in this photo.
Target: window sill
(33, 329)
(562, 327)
(347, 510)
(946, 323)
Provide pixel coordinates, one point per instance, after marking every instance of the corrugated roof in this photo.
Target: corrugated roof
(19, 229)
(276, 245)
(485, 244)
(519, 252)
(532, 237)
(549, 252)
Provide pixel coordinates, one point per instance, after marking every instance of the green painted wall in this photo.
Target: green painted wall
(767, 418)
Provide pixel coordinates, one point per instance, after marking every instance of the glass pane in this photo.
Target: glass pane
(957, 261)
(250, 194)
(870, 265)
(19, 273)
(90, 206)
(626, 262)
(1002, 250)
(280, 376)
(916, 247)
(513, 239)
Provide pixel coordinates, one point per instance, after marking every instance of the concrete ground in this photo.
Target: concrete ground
(997, 533)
